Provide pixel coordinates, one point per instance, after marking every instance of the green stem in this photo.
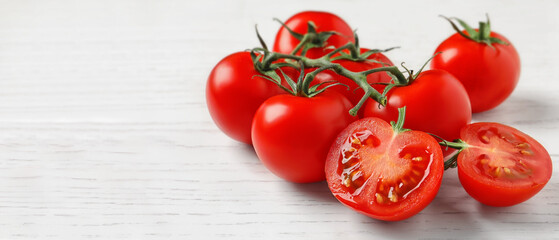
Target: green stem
(360, 78)
(452, 162)
(306, 82)
(306, 39)
(456, 144)
(400, 78)
(349, 46)
(398, 126)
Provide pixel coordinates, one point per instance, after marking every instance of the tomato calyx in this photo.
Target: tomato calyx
(399, 80)
(398, 126)
(354, 55)
(267, 62)
(482, 35)
(311, 39)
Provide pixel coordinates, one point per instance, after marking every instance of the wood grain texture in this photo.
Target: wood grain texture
(104, 132)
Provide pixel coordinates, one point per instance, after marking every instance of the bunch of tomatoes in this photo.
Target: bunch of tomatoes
(318, 106)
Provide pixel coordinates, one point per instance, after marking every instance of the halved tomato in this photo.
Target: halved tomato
(501, 166)
(383, 172)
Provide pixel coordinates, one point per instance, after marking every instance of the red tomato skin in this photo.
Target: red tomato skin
(291, 135)
(354, 93)
(489, 74)
(234, 93)
(436, 102)
(415, 202)
(324, 21)
(501, 193)
(496, 196)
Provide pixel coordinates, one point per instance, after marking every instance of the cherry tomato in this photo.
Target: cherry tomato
(291, 135)
(501, 165)
(436, 103)
(354, 93)
(324, 21)
(489, 73)
(234, 92)
(384, 174)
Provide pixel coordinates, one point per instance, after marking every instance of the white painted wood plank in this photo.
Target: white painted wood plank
(104, 132)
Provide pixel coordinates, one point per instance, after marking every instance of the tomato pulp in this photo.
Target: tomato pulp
(384, 174)
(502, 166)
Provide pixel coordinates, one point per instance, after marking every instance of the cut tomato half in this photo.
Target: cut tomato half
(382, 173)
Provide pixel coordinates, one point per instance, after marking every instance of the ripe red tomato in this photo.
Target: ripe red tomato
(324, 21)
(489, 73)
(502, 166)
(291, 135)
(436, 103)
(384, 174)
(234, 92)
(354, 93)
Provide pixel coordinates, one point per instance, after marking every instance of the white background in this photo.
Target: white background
(104, 132)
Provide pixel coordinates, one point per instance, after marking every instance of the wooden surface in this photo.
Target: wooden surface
(104, 132)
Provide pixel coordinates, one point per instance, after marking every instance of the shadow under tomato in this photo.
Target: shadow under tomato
(318, 191)
(450, 211)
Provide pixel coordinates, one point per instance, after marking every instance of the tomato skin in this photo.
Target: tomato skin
(233, 94)
(391, 145)
(489, 74)
(291, 135)
(324, 21)
(435, 103)
(354, 93)
(504, 189)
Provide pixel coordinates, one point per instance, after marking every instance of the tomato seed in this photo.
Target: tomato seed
(526, 152)
(379, 198)
(523, 145)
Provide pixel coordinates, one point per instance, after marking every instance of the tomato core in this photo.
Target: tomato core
(362, 160)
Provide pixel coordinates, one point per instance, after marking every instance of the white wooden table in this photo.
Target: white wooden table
(104, 132)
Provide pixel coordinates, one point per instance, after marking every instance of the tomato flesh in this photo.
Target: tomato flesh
(382, 174)
(502, 166)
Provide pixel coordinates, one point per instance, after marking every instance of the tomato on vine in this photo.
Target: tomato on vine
(484, 61)
(291, 133)
(436, 103)
(383, 171)
(234, 91)
(368, 59)
(499, 165)
(312, 34)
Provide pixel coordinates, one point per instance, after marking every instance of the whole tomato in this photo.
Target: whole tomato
(488, 66)
(436, 103)
(324, 21)
(291, 135)
(351, 90)
(234, 91)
